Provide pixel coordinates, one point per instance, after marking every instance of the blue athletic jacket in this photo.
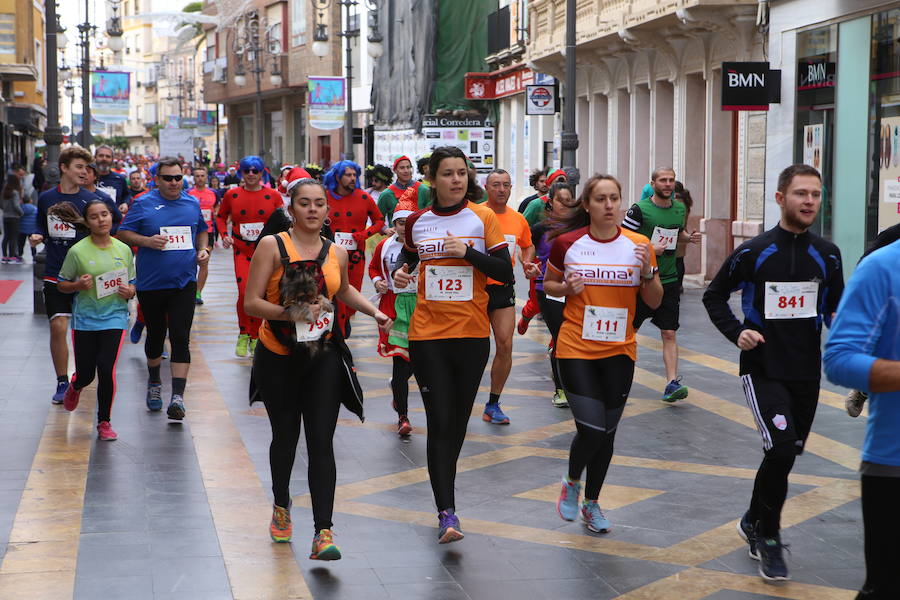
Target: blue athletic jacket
(868, 328)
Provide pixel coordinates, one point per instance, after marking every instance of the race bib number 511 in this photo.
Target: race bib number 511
(791, 299)
(177, 238)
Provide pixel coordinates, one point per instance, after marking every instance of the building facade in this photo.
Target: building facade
(648, 94)
(839, 110)
(23, 83)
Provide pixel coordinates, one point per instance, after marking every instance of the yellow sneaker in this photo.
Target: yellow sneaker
(242, 345)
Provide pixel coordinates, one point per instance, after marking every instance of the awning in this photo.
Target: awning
(17, 72)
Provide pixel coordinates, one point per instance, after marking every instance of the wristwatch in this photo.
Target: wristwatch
(651, 274)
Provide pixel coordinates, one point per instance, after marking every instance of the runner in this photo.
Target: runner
(379, 176)
(295, 382)
(601, 269)
(58, 237)
(561, 206)
(502, 297)
(459, 244)
(534, 212)
(863, 352)
(207, 199)
(791, 281)
(389, 197)
(167, 226)
(399, 307)
(538, 181)
(422, 166)
(247, 208)
(662, 219)
(100, 269)
(351, 208)
(109, 182)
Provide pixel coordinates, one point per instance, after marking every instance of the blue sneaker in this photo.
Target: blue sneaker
(450, 530)
(593, 517)
(494, 415)
(675, 391)
(567, 505)
(154, 396)
(136, 331)
(61, 387)
(176, 408)
(771, 560)
(747, 531)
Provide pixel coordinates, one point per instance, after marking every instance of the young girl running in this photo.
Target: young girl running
(100, 269)
(456, 245)
(303, 370)
(399, 305)
(600, 268)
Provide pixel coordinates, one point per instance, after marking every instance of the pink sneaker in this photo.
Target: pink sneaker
(105, 432)
(70, 400)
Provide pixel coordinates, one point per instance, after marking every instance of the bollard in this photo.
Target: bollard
(37, 272)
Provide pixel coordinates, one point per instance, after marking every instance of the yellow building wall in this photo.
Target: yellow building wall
(35, 92)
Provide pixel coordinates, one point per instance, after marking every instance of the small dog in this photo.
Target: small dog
(299, 288)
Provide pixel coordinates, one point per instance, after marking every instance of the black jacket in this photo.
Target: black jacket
(792, 348)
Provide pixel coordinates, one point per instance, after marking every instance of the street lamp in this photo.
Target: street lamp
(254, 42)
(55, 35)
(114, 28)
(320, 48)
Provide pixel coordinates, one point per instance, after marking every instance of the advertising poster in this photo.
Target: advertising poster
(97, 126)
(812, 145)
(176, 142)
(473, 135)
(889, 172)
(327, 102)
(206, 123)
(110, 95)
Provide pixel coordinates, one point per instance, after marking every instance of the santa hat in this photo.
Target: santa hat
(399, 158)
(554, 175)
(406, 206)
(293, 177)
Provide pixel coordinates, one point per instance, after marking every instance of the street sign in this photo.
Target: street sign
(541, 100)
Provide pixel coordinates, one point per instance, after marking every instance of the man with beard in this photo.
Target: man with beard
(662, 219)
(247, 208)
(538, 181)
(136, 184)
(350, 208)
(388, 198)
(791, 282)
(109, 182)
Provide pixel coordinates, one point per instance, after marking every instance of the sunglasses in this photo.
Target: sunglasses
(172, 177)
(254, 171)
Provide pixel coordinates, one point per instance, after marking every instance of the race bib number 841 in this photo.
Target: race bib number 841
(791, 299)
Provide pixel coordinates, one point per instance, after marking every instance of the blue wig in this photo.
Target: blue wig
(337, 169)
(252, 162)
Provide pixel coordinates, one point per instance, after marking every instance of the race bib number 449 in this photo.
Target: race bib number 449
(59, 229)
(177, 238)
(791, 299)
(453, 284)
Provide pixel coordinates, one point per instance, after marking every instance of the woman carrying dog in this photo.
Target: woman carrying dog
(301, 368)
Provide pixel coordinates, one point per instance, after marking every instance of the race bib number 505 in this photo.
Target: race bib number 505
(791, 299)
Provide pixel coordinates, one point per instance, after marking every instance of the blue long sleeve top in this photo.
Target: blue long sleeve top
(867, 328)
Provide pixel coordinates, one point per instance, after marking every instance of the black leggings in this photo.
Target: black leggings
(448, 373)
(881, 520)
(23, 239)
(596, 391)
(169, 311)
(97, 352)
(552, 311)
(11, 237)
(770, 488)
(400, 384)
(294, 390)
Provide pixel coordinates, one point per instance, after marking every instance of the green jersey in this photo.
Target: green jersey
(536, 210)
(661, 225)
(424, 195)
(99, 307)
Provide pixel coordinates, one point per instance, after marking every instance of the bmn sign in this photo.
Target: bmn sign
(749, 86)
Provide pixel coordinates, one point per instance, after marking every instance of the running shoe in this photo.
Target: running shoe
(522, 326)
(4, 260)
(323, 546)
(567, 504)
(494, 414)
(747, 532)
(252, 346)
(280, 529)
(593, 517)
(18, 260)
(243, 345)
(675, 391)
(154, 396)
(136, 331)
(176, 408)
(198, 300)
(771, 559)
(59, 396)
(560, 400)
(70, 400)
(403, 426)
(854, 402)
(449, 528)
(105, 432)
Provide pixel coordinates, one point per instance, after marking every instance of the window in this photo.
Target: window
(211, 46)
(298, 23)
(39, 66)
(273, 16)
(7, 34)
